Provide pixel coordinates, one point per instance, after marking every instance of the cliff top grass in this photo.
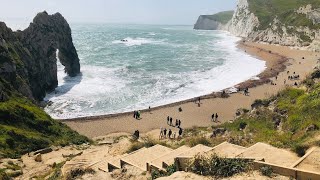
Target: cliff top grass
(24, 127)
(222, 17)
(284, 10)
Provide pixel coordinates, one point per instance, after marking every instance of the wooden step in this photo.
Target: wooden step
(141, 158)
(195, 150)
(114, 163)
(269, 154)
(167, 159)
(227, 150)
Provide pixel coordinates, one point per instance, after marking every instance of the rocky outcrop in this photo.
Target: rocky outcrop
(28, 60)
(206, 23)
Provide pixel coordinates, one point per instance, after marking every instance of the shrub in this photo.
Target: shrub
(266, 171)
(242, 125)
(315, 74)
(193, 141)
(219, 167)
(75, 173)
(169, 170)
(300, 150)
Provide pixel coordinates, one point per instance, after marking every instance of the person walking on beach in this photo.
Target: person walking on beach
(168, 119)
(169, 133)
(179, 123)
(134, 114)
(180, 133)
(161, 133)
(171, 121)
(139, 113)
(216, 117)
(165, 132)
(212, 117)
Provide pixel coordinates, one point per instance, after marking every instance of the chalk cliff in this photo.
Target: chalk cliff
(295, 24)
(213, 22)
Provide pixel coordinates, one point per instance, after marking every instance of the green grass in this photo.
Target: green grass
(24, 127)
(296, 108)
(222, 17)
(284, 10)
(219, 167)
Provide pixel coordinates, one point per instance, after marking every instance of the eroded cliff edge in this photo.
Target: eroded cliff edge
(28, 62)
(293, 23)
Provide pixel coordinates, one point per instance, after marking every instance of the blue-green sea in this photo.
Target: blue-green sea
(152, 65)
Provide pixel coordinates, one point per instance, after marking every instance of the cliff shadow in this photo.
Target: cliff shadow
(68, 84)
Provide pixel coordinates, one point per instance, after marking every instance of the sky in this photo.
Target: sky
(166, 12)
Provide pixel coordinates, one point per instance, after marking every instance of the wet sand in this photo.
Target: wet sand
(278, 59)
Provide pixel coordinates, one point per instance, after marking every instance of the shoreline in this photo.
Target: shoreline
(276, 61)
(269, 72)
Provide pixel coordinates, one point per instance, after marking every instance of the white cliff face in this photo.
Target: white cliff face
(205, 23)
(245, 24)
(243, 21)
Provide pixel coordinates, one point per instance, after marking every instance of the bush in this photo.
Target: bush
(75, 173)
(4, 176)
(193, 141)
(242, 125)
(300, 150)
(266, 171)
(169, 170)
(219, 167)
(315, 74)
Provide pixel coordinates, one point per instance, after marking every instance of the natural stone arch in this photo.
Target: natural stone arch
(41, 39)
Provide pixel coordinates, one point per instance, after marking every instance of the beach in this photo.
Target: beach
(279, 61)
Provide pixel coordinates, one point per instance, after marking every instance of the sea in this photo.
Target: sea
(132, 67)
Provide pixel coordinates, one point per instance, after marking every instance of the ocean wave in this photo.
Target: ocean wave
(115, 80)
(137, 41)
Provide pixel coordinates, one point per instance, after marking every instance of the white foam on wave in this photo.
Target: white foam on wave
(238, 67)
(137, 41)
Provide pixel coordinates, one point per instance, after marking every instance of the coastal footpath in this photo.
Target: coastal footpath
(294, 24)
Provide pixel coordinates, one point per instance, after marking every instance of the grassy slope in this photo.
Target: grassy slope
(222, 17)
(266, 11)
(24, 127)
(301, 109)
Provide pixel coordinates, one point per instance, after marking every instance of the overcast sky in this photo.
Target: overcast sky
(179, 12)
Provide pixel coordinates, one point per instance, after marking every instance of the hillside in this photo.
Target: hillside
(286, 12)
(222, 17)
(211, 22)
(289, 23)
(28, 69)
(285, 22)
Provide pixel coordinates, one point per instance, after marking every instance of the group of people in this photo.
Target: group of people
(293, 77)
(245, 91)
(214, 117)
(171, 135)
(136, 114)
(170, 123)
